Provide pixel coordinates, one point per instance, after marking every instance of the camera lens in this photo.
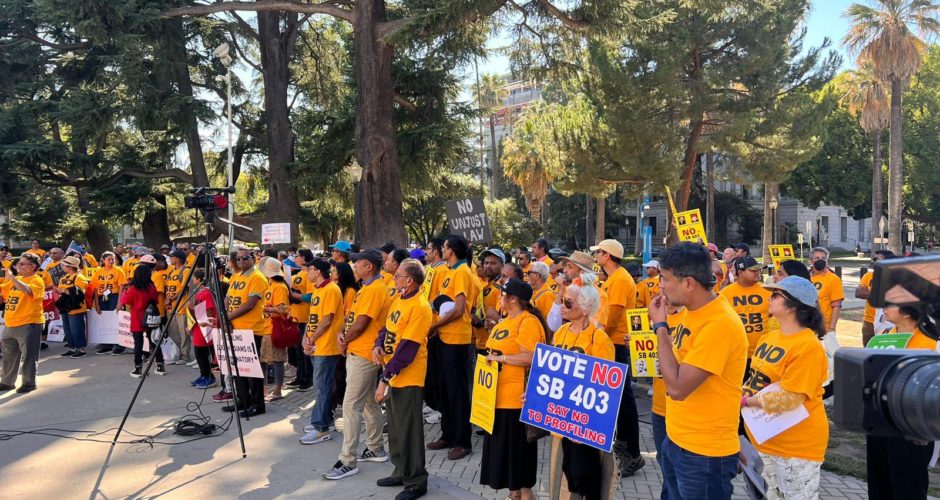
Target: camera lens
(910, 394)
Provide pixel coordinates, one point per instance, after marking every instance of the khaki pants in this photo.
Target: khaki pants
(359, 404)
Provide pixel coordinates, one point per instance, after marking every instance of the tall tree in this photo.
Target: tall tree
(866, 97)
(489, 94)
(885, 36)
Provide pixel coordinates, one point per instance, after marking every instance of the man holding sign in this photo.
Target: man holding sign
(702, 367)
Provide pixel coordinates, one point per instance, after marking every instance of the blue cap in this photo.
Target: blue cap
(342, 246)
(495, 252)
(418, 254)
(799, 288)
(291, 264)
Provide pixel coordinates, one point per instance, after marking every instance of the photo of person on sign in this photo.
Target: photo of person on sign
(694, 218)
(682, 220)
(636, 323)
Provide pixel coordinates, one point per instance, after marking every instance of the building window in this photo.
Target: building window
(843, 229)
(652, 223)
(824, 228)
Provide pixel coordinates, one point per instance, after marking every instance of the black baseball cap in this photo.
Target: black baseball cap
(179, 254)
(388, 247)
(370, 254)
(742, 246)
(518, 288)
(747, 263)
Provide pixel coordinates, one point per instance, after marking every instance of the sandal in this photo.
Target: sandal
(272, 397)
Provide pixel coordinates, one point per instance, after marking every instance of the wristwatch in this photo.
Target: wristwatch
(661, 324)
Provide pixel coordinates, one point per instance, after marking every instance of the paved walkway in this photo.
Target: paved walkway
(645, 484)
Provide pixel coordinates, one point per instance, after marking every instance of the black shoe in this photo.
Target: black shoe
(5, 387)
(136, 373)
(26, 388)
(103, 349)
(389, 481)
(631, 465)
(78, 354)
(67, 353)
(293, 383)
(230, 408)
(480, 433)
(411, 494)
(161, 370)
(43, 346)
(304, 387)
(251, 411)
(118, 350)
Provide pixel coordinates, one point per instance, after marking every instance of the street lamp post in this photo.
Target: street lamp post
(354, 170)
(773, 220)
(222, 52)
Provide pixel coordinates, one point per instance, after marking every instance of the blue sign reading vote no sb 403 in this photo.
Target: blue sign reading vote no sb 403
(574, 395)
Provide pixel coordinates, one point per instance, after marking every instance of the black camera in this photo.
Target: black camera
(207, 198)
(895, 392)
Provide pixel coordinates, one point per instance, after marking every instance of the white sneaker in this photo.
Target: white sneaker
(315, 437)
(373, 456)
(433, 418)
(339, 471)
(426, 410)
(650, 392)
(339, 424)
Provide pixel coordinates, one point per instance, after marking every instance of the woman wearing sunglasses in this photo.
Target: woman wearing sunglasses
(583, 465)
(794, 357)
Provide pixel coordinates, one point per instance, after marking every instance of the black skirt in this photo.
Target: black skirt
(582, 467)
(509, 460)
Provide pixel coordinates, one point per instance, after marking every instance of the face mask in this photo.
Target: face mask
(819, 265)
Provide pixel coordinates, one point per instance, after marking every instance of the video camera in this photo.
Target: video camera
(208, 198)
(895, 392)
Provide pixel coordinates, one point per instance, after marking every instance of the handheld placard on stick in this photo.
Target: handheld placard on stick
(206, 203)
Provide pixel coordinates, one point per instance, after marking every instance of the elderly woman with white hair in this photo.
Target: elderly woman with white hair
(584, 466)
(542, 295)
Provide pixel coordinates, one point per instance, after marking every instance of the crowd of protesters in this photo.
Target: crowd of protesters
(389, 337)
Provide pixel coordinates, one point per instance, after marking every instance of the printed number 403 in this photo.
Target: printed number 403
(590, 399)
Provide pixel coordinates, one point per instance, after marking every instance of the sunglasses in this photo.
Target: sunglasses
(568, 303)
(243, 258)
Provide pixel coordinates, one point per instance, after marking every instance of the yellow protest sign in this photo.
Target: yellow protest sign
(690, 227)
(780, 253)
(644, 353)
(483, 409)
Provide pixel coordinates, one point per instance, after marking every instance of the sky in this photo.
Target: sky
(826, 19)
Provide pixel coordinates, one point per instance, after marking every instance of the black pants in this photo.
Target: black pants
(406, 436)
(432, 393)
(250, 389)
(897, 468)
(455, 413)
(139, 348)
(628, 421)
(582, 467)
(204, 360)
(339, 382)
(296, 357)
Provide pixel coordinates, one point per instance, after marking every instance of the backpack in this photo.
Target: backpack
(152, 318)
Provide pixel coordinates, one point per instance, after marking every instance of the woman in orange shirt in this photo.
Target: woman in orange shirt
(509, 459)
(794, 358)
(276, 304)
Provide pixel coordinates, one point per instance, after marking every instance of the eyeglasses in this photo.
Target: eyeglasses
(568, 303)
(396, 276)
(243, 258)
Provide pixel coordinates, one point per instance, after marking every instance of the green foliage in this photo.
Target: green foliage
(510, 227)
(922, 142)
(731, 209)
(425, 205)
(840, 172)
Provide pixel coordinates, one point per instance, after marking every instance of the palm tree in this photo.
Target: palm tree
(525, 163)
(883, 35)
(489, 94)
(865, 95)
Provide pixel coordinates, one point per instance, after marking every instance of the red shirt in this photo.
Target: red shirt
(204, 295)
(138, 300)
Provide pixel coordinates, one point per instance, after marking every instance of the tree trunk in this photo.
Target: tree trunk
(97, 235)
(895, 171)
(876, 187)
(588, 227)
(600, 227)
(156, 225)
(770, 191)
(379, 205)
(710, 197)
(493, 158)
(175, 46)
(283, 203)
(685, 190)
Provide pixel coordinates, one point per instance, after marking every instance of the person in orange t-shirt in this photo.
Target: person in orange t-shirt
(702, 364)
(24, 320)
(794, 358)
(829, 285)
(509, 459)
(897, 467)
(864, 291)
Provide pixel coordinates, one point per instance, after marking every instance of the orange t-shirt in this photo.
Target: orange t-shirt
(591, 341)
(798, 362)
(326, 300)
(408, 319)
(370, 301)
(276, 295)
(753, 307)
(710, 338)
(830, 290)
(918, 340)
(458, 281)
(543, 299)
(869, 316)
(511, 336)
(23, 309)
(621, 291)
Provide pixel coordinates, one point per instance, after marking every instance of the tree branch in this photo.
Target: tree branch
(562, 16)
(249, 30)
(389, 29)
(405, 103)
(173, 173)
(262, 6)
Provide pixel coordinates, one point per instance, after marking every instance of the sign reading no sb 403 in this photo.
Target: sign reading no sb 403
(468, 218)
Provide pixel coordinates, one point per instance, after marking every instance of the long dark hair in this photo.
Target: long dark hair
(347, 279)
(806, 316)
(142, 278)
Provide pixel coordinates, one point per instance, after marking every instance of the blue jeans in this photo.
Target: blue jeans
(659, 435)
(324, 368)
(74, 327)
(690, 476)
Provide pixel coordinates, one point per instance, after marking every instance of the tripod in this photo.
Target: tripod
(225, 330)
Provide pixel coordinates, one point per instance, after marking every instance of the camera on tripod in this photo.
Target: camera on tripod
(895, 392)
(208, 198)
